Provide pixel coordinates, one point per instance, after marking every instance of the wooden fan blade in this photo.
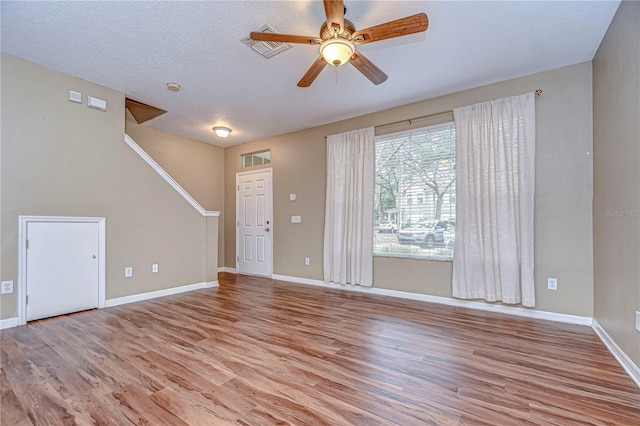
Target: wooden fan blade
(400, 27)
(367, 68)
(335, 14)
(313, 72)
(284, 38)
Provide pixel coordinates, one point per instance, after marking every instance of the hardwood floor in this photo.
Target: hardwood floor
(262, 352)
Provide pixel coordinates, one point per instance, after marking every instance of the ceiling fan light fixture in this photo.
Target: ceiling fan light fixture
(337, 51)
(221, 131)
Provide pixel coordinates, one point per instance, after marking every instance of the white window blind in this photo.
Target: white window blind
(415, 203)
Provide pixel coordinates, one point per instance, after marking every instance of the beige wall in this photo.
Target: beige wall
(298, 167)
(563, 191)
(616, 190)
(64, 159)
(197, 166)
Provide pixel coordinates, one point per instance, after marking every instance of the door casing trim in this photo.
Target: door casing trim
(245, 173)
(23, 222)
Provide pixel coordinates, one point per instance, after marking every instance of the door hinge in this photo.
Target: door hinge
(27, 244)
(238, 258)
(238, 188)
(27, 300)
(238, 223)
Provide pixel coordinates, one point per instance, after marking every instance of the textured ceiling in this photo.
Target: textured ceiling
(137, 47)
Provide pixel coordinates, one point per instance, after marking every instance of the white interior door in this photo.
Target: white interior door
(62, 268)
(254, 206)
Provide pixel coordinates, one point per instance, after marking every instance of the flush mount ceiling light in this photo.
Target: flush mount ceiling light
(337, 51)
(174, 87)
(221, 131)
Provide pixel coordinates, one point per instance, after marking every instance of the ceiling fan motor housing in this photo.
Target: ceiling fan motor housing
(327, 33)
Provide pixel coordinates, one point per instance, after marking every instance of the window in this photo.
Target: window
(415, 192)
(256, 158)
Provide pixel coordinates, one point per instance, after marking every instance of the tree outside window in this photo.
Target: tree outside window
(415, 187)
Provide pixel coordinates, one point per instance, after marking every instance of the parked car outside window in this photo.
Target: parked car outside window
(388, 227)
(424, 234)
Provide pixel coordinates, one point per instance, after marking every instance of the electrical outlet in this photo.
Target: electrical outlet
(552, 283)
(7, 287)
(128, 272)
(637, 320)
(307, 261)
(154, 268)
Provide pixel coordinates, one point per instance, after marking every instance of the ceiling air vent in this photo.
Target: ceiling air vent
(267, 48)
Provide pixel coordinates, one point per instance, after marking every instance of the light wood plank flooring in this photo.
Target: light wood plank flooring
(262, 352)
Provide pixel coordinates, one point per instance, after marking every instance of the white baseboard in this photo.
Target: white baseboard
(211, 284)
(225, 269)
(8, 323)
(307, 281)
(502, 309)
(159, 293)
(629, 366)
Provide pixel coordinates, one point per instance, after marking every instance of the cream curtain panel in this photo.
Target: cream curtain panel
(495, 167)
(348, 225)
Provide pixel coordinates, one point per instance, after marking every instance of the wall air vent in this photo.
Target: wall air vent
(267, 49)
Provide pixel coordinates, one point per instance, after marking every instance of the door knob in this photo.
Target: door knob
(266, 229)
(94, 256)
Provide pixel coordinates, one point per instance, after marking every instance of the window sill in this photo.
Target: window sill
(406, 256)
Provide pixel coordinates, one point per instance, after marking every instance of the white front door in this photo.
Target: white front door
(254, 206)
(62, 268)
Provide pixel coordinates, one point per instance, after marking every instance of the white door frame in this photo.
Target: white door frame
(251, 172)
(23, 221)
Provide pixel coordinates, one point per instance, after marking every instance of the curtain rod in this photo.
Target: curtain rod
(449, 111)
(538, 92)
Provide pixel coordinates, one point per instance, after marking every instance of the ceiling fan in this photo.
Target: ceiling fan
(338, 40)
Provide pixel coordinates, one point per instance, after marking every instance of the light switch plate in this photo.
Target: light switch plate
(292, 197)
(128, 272)
(296, 219)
